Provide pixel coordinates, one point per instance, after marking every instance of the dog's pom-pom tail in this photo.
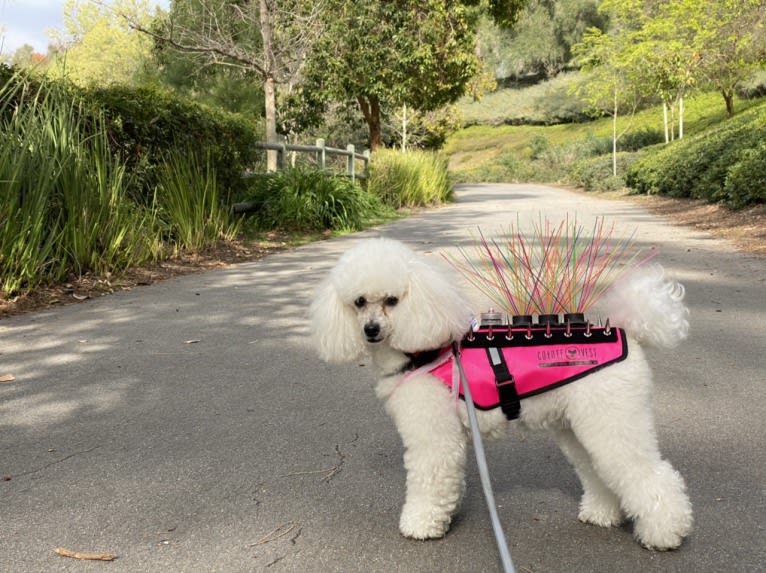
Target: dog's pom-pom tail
(333, 326)
(650, 307)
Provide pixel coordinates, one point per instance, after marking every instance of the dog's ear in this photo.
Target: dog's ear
(336, 334)
(434, 311)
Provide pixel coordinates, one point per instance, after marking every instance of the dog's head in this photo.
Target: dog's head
(381, 292)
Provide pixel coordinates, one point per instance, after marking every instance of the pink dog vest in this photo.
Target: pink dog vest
(503, 369)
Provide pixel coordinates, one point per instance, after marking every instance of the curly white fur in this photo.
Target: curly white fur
(384, 300)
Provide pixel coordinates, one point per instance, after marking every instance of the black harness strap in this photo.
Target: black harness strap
(506, 385)
(418, 359)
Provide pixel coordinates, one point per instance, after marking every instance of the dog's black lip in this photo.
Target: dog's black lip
(375, 340)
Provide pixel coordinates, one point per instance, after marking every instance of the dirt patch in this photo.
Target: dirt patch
(745, 228)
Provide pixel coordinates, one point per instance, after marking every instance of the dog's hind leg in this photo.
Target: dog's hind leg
(599, 505)
(435, 450)
(625, 455)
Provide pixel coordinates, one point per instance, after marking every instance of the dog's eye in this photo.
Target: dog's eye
(360, 302)
(391, 301)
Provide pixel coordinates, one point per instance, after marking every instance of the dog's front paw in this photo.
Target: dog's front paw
(603, 514)
(424, 522)
(662, 534)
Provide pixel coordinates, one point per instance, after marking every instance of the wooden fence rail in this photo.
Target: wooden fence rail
(321, 152)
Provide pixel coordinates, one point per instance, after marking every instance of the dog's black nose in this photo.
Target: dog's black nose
(372, 330)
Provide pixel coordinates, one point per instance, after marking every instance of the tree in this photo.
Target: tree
(676, 46)
(611, 84)
(231, 88)
(541, 43)
(269, 38)
(98, 47)
(730, 41)
(389, 54)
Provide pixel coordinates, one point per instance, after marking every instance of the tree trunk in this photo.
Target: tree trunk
(681, 117)
(728, 97)
(614, 134)
(370, 107)
(269, 90)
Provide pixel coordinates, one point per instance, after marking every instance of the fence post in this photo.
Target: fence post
(350, 162)
(366, 163)
(281, 155)
(321, 155)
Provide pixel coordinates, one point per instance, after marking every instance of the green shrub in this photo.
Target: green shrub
(545, 103)
(409, 179)
(538, 146)
(144, 123)
(746, 180)
(310, 200)
(698, 166)
(635, 140)
(596, 173)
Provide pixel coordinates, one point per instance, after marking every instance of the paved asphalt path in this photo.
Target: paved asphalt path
(187, 426)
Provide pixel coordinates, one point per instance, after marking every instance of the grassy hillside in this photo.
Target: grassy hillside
(479, 144)
(573, 153)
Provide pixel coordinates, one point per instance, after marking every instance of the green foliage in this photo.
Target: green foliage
(100, 49)
(387, 54)
(410, 179)
(754, 86)
(540, 43)
(310, 200)
(700, 166)
(746, 180)
(64, 202)
(145, 122)
(596, 173)
(232, 88)
(189, 201)
(640, 138)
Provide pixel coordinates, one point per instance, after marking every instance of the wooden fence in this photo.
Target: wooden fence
(321, 153)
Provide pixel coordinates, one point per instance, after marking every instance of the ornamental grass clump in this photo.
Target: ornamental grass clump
(189, 201)
(409, 179)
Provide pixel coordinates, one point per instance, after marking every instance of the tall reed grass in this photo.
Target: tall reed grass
(64, 205)
(189, 200)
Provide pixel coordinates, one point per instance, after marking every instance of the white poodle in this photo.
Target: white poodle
(384, 300)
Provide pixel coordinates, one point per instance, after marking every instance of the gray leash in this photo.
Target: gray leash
(481, 461)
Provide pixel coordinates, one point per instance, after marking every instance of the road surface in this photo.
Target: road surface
(188, 426)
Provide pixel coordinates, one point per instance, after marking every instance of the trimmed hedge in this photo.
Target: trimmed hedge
(723, 164)
(145, 123)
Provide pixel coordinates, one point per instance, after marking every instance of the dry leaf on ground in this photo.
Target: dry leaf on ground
(84, 555)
